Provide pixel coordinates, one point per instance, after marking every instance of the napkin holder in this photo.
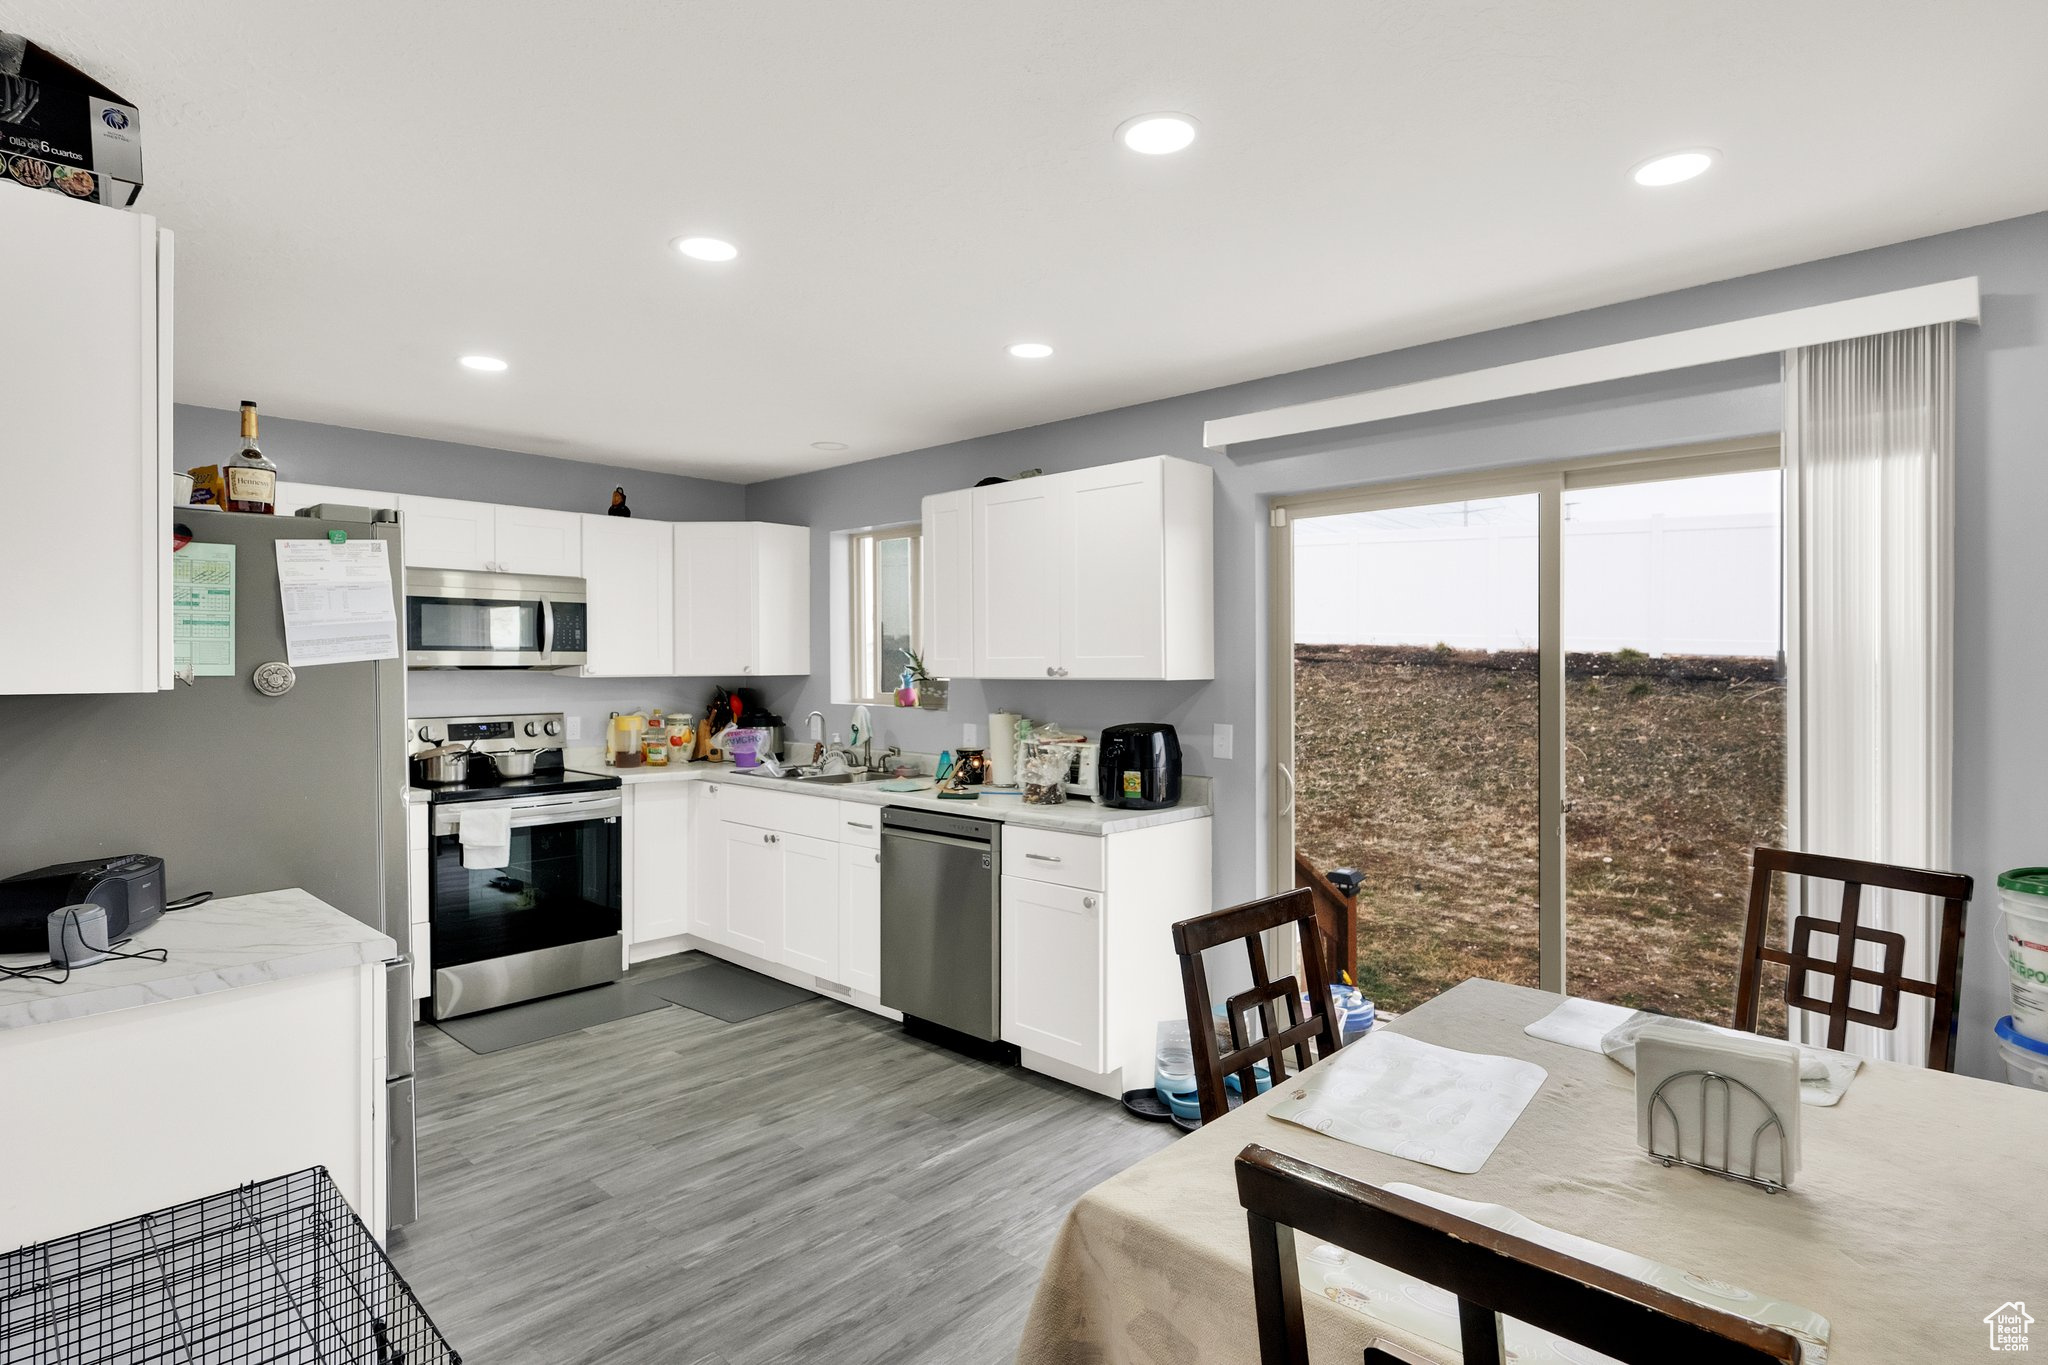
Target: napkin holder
(1727, 1106)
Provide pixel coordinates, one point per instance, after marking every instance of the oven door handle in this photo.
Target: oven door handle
(447, 821)
(566, 815)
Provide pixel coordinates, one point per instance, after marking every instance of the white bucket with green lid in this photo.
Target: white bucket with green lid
(2023, 896)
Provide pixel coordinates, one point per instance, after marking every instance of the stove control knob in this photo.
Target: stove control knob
(426, 734)
(553, 727)
(532, 728)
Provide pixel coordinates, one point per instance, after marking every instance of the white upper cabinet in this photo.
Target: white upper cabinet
(447, 533)
(714, 587)
(629, 571)
(85, 357)
(1106, 572)
(948, 576)
(536, 540)
(742, 599)
(1019, 545)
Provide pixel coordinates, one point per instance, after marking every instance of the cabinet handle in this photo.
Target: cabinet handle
(1044, 858)
(711, 787)
(1063, 673)
(878, 857)
(856, 824)
(1050, 672)
(1088, 902)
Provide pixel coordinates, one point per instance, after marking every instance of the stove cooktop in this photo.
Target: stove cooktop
(562, 782)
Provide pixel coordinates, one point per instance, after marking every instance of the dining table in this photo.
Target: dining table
(1916, 1214)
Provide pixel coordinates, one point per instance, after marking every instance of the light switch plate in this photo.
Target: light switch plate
(970, 736)
(1221, 745)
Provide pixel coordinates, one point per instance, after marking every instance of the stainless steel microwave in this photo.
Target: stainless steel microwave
(458, 619)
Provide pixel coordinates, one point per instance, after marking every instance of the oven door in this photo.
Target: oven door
(455, 619)
(548, 920)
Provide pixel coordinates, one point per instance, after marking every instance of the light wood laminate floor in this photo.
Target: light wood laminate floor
(808, 1185)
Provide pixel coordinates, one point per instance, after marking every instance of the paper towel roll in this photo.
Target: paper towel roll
(1002, 749)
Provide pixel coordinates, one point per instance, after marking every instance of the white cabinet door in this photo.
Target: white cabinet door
(714, 619)
(860, 918)
(535, 540)
(292, 496)
(1113, 598)
(629, 570)
(1052, 971)
(753, 889)
(85, 442)
(707, 861)
(1019, 531)
(782, 600)
(658, 837)
(443, 533)
(810, 905)
(948, 551)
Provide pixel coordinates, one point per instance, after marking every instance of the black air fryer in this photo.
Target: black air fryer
(1139, 767)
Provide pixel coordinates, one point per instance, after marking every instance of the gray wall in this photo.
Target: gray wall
(2002, 557)
(312, 452)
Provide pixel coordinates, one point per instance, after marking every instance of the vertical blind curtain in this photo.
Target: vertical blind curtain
(1869, 457)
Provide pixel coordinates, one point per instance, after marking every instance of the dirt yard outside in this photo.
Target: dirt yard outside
(1418, 768)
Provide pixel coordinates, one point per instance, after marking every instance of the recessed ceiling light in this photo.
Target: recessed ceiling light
(490, 364)
(1673, 168)
(1029, 350)
(705, 248)
(828, 445)
(1157, 134)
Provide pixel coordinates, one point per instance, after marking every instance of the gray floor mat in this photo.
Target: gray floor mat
(726, 992)
(518, 1025)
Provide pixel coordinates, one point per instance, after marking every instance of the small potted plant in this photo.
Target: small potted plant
(919, 688)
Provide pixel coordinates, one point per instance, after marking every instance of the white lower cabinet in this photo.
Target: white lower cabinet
(707, 861)
(658, 847)
(860, 918)
(753, 872)
(810, 905)
(1053, 980)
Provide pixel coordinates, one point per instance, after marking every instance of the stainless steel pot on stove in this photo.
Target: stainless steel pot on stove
(514, 762)
(441, 766)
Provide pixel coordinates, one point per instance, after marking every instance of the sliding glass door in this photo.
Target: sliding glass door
(1415, 734)
(1541, 717)
(1674, 732)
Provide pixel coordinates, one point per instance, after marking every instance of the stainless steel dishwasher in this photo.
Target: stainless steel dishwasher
(942, 936)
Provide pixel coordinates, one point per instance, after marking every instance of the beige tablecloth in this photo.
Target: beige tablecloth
(1917, 1213)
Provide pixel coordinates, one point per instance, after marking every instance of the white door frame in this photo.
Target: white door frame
(1548, 482)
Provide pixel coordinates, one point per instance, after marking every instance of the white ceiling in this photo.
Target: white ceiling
(363, 192)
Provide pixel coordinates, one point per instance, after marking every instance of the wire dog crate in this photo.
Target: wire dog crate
(275, 1271)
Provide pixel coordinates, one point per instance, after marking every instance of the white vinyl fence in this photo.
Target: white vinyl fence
(1663, 585)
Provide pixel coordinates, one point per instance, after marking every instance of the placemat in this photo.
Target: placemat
(1412, 1099)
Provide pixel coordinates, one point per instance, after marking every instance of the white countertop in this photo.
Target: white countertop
(1074, 817)
(219, 946)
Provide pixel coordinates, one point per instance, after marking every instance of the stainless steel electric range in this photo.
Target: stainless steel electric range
(524, 872)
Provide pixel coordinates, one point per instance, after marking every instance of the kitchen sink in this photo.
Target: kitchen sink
(835, 779)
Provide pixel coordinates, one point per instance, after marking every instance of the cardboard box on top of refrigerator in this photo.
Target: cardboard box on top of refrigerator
(62, 131)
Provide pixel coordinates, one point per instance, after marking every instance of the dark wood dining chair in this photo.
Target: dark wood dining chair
(1246, 923)
(1952, 889)
(1493, 1274)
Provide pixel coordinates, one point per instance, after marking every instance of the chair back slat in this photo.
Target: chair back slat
(1493, 1274)
(1315, 1025)
(1846, 933)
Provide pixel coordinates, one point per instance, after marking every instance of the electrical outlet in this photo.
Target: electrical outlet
(575, 728)
(970, 736)
(1221, 745)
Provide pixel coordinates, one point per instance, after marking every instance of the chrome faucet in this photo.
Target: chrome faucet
(815, 723)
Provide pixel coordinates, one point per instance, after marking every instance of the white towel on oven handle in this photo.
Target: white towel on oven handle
(486, 835)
